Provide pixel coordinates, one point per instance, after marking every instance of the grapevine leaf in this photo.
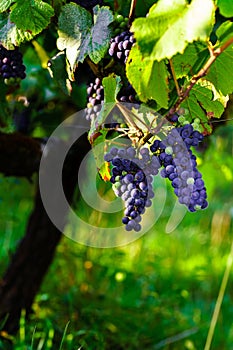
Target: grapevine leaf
(170, 26)
(221, 72)
(5, 4)
(203, 104)
(79, 37)
(148, 77)
(195, 111)
(57, 69)
(205, 97)
(191, 61)
(100, 33)
(74, 25)
(98, 149)
(10, 35)
(31, 15)
(42, 54)
(111, 86)
(226, 8)
(105, 171)
(225, 32)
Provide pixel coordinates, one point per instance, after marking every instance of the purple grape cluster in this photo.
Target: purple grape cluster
(128, 94)
(131, 183)
(95, 95)
(180, 166)
(11, 64)
(133, 171)
(121, 45)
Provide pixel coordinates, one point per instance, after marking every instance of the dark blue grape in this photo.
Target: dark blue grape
(11, 64)
(180, 166)
(121, 45)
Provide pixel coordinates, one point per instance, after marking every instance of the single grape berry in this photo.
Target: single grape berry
(11, 65)
(121, 45)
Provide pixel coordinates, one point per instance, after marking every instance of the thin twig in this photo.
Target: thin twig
(174, 77)
(132, 11)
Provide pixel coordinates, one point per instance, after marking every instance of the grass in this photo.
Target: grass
(158, 292)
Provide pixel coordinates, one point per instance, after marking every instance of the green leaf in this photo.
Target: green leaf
(191, 61)
(100, 33)
(105, 171)
(148, 77)
(57, 69)
(10, 35)
(221, 72)
(170, 26)
(31, 15)
(42, 54)
(205, 98)
(226, 8)
(5, 4)
(225, 32)
(112, 85)
(79, 37)
(74, 25)
(203, 104)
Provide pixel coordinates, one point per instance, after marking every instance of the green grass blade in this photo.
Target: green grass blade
(219, 300)
(63, 336)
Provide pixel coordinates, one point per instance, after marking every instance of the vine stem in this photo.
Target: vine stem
(183, 95)
(202, 72)
(219, 300)
(132, 11)
(174, 77)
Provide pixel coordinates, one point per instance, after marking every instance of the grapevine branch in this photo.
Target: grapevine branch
(202, 72)
(214, 54)
(132, 11)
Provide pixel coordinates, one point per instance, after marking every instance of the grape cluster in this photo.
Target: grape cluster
(11, 64)
(128, 94)
(121, 45)
(183, 117)
(95, 95)
(131, 183)
(180, 166)
(133, 170)
(119, 24)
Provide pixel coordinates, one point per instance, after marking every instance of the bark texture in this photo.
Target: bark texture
(35, 252)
